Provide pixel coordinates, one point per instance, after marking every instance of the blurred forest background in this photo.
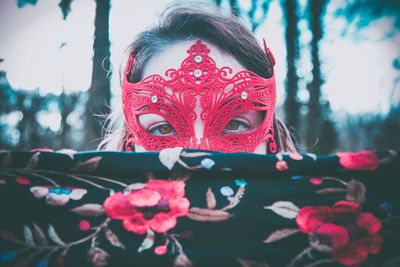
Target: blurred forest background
(25, 114)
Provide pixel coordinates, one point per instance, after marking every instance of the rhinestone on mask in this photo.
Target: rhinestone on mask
(197, 73)
(244, 95)
(198, 59)
(154, 99)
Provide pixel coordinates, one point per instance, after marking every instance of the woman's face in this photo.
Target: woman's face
(204, 107)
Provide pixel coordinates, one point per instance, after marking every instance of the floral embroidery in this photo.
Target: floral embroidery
(156, 206)
(57, 196)
(160, 250)
(316, 181)
(84, 225)
(341, 233)
(364, 160)
(281, 165)
(22, 180)
(349, 234)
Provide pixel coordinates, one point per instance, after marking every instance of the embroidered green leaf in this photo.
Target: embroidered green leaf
(284, 208)
(148, 242)
(312, 156)
(356, 191)
(211, 201)
(88, 166)
(182, 261)
(98, 257)
(280, 234)
(54, 236)
(169, 156)
(249, 263)
(113, 238)
(387, 157)
(207, 215)
(28, 236)
(330, 191)
(33, 161)
(135, 186)
(89, 210)
(40, 237)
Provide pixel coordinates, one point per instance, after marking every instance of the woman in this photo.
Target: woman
(199, 80)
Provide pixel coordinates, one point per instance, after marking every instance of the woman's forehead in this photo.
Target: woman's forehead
(173, 55)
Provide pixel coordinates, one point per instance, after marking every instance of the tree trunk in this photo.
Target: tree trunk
(291, 105)
(234, 7)
(99, 94)
(320, 131)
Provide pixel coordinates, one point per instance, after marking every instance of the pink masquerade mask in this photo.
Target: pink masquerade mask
(221, 94)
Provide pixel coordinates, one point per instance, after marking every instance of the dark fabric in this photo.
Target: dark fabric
(53, 212)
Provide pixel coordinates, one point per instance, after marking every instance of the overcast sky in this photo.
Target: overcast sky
(43, 51)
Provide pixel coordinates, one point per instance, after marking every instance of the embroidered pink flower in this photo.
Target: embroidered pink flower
(281, 165)
(316, 181)
(364, 160)
(155, 206)
(57, 196)
(22, 180)
(84, 225)
(349, 234)
(160, 250)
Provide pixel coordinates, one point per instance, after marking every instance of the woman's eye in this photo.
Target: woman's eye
(236, 126)
(162, 129)
(232, 125)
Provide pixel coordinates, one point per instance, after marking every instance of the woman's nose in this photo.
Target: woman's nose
(198, 141)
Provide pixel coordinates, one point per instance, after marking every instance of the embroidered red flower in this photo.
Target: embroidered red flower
(349, 234)
(364, 160)
(155, 206)
(281, 165)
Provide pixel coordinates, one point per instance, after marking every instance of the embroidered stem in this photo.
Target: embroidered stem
(189, 167)
(68, 245)
(177, 244)
(105, 179)
(89, 176)
(234, 201)
(299, 257)
(335, 179)
(34, 254)
(37, 175)
(5, 173)
(89, 182)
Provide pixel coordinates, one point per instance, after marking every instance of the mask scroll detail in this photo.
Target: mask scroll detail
(222, 95)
